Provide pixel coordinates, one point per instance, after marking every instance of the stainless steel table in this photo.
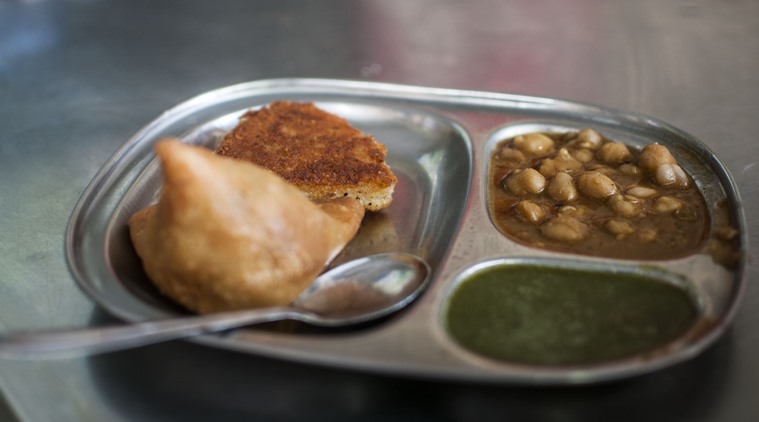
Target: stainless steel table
(78, 78)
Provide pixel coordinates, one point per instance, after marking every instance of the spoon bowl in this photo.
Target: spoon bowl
(355, 292)
(364, 289)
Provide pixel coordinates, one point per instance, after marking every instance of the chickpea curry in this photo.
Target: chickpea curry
(580, 192)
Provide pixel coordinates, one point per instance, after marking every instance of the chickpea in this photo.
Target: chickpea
(625, 206)
(630, 169)
(596, 185)
(654, 155)
(589, 138)
(646, 234)
(576, 211)
(641, 191)
(563, 162)
(565, 229)
(672, 175)
(666, 205)
(513, 156)
(548, 167)
(562, 188)
(564, 155)
(582, 155)
(530, 212)
(524, 182)
(619, 228)
(534, 143)
(614, 153)
(604, 169)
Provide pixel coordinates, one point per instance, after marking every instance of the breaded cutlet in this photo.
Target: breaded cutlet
(318, 152)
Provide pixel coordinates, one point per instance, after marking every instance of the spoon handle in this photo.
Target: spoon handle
(81, 342)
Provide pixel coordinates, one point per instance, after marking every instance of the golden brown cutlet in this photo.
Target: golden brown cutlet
(318, 152)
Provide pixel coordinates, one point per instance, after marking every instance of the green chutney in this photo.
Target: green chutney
(559, 316)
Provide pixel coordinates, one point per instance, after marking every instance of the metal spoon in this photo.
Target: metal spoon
(355, 292)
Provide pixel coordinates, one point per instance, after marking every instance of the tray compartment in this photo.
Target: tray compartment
(430, 154)
(675, 243)
(556, 312)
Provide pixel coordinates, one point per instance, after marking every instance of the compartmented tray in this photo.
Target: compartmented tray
(439, 142)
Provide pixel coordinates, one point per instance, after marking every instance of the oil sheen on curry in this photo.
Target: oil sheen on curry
(580, 192)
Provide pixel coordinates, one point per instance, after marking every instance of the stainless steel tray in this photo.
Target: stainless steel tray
(438, 142)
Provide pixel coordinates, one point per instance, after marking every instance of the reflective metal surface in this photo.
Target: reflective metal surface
(78, 78)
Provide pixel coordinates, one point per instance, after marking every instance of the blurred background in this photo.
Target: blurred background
(79, 77)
